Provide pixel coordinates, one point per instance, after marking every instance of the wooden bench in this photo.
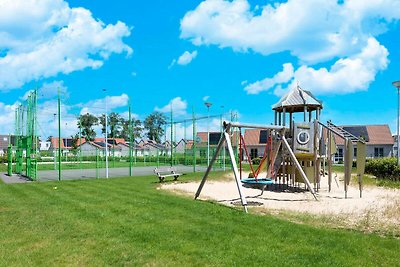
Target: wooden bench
(166, 172)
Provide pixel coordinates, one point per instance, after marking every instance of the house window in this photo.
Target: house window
(339, 155)
(355, 152)
(253, 153)
(378, 152)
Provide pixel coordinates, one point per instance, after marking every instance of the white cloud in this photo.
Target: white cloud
(184, 59)
(50, 90)
(98, 106)
(40, 39)
(7, 117)
(178, 106)
(281, 77)
(312, 30)
(125, 115)
(172, 64)
(205, 98)
(187, 57)
(346, 75)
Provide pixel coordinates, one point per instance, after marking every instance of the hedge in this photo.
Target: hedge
(383, 168)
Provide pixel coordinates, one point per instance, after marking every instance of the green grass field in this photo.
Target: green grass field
(127, 221)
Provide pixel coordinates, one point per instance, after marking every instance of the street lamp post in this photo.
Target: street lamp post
(106, 136)
(208, 105)
(397, 85)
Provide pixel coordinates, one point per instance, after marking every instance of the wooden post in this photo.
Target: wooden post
(220, 144)
(275, 155)
(284, 117)
(235, 172)
(329, 155)
(316, 173)
(279, 118)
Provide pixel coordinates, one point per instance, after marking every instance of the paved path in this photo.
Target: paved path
(52, 175)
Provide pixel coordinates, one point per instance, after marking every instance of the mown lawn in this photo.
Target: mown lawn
(127, 221)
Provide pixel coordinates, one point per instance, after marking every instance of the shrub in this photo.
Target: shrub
(383, 168)
(256, 161)
(4, 158)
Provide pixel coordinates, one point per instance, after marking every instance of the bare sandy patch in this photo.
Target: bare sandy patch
(378, 208)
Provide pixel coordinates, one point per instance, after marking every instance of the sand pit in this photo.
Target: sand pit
(378, 207)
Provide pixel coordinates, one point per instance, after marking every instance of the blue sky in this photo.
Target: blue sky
(242, 55)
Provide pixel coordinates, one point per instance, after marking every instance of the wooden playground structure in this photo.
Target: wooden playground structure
(297, 154)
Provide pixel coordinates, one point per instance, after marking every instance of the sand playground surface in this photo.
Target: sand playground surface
(378, 207)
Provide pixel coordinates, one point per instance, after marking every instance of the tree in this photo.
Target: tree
(75, 141)
(154, 125)
(86, 123)
(137, 129)
(114, 122)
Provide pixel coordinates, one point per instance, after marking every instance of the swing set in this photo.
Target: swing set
(253, 179)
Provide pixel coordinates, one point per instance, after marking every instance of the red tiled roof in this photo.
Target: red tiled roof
(203, 136)
(54, 142)
(379, 135)
(189, 144)
(252, 137)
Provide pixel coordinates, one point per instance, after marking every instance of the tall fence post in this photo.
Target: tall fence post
(10, 161)
(194, 141)
(97, 162)
(59, 135)
(130, 139)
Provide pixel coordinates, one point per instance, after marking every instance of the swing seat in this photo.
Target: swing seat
(258, 181)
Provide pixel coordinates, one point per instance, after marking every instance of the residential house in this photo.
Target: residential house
(5, 140)
(201, 142)
(255, 142)
(153, 148)
(379, 141)
(44, 145)
(395, 146)
(90, 148)
(180, 146)
(67, 144)
(167, 148)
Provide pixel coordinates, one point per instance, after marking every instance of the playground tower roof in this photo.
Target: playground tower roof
(295, 101)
